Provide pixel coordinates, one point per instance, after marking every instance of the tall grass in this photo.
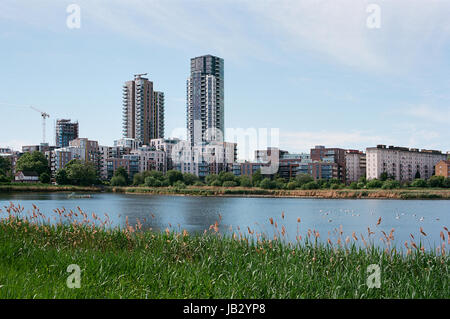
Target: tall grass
(129, 262)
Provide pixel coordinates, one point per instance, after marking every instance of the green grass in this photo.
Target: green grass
(141, 264)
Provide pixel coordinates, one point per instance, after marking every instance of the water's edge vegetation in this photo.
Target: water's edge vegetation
(407, 193)
(129, 262)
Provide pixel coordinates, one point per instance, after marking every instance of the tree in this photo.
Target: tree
(121, 171)
(245, 181)
(303, 179)
(5, 165)
(33, 162)
(266, 183)
(418, 182)
(81, 173)
(383, 176)
(310, 185)
(5, 169)
(211, 178)
(189, 179)
(44, 178)
(436, 181)
(353, 185)
(118, 180)
(257, 178)
(374, 183)
(174, 176)
(391, 184)
(151, 181)
(61, 177)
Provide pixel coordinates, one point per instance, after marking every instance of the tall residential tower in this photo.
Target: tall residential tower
(205, 100)
(66, 131)
(143, 110)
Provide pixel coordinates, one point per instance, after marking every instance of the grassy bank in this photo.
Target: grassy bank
(402, 193)
(410, 193)
(130, 263)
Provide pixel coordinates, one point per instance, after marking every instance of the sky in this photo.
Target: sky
(319, 71)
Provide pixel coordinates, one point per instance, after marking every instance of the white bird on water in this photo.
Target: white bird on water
(421, 219)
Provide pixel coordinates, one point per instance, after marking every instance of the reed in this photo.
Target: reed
(131, 262)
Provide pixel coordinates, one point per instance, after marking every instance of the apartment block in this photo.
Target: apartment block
(205, 100)
(65, 131)
(355, 165)
(324, 159)
(143, 110)
(401, 163)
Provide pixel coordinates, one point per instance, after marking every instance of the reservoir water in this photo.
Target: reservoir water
(328, 217)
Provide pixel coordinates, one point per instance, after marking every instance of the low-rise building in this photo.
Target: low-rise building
(442, 168)
(26, 177)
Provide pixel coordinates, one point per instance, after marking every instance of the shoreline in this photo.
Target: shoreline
(208, 191)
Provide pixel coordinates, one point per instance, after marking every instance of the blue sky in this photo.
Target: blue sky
(313, 69)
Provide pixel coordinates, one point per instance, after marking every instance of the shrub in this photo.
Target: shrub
(118, 180)
(353, 185)
(152, 182)
(245, 181)
(361, 185)
(311, 185)
(436, 181)
(216, 183)
(174, 176)
(304, 179)
(292, 185)
(266, 183)
(199, 183)
(189, 179)
(390, 184)
(229, 184)
(418, 182)
(446, 183)
(374, 183)
(179, 184)
(44, 178)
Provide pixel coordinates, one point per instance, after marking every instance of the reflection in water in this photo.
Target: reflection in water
(196, 214)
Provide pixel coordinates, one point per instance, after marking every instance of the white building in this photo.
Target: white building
(401, 163)
(355, 165)
(150, 159)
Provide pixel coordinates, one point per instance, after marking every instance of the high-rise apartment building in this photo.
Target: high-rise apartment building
(401, 163)
(143, 110)
(65, 132)
(205, 100)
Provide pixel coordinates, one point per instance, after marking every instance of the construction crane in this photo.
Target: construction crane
(44, 115)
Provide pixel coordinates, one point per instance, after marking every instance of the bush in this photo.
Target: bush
(446, 183)
(216, 183)
(353, 185)
(151, 181)
(118, 180)
(292, 185)
(304, 179)
(229, 184)
(374, 183)
(245, 181)
(280, 183)
(335, 186)
(199, 183)
(311, 185)
(361, 185)
(390, 184)
(44, 178)
(418, 182)
(189, 179)
(436, 181)
(179, 184)
(210, 179)
(266, 183)
(174, 176)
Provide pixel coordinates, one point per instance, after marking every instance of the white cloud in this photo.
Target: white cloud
(430, 114)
